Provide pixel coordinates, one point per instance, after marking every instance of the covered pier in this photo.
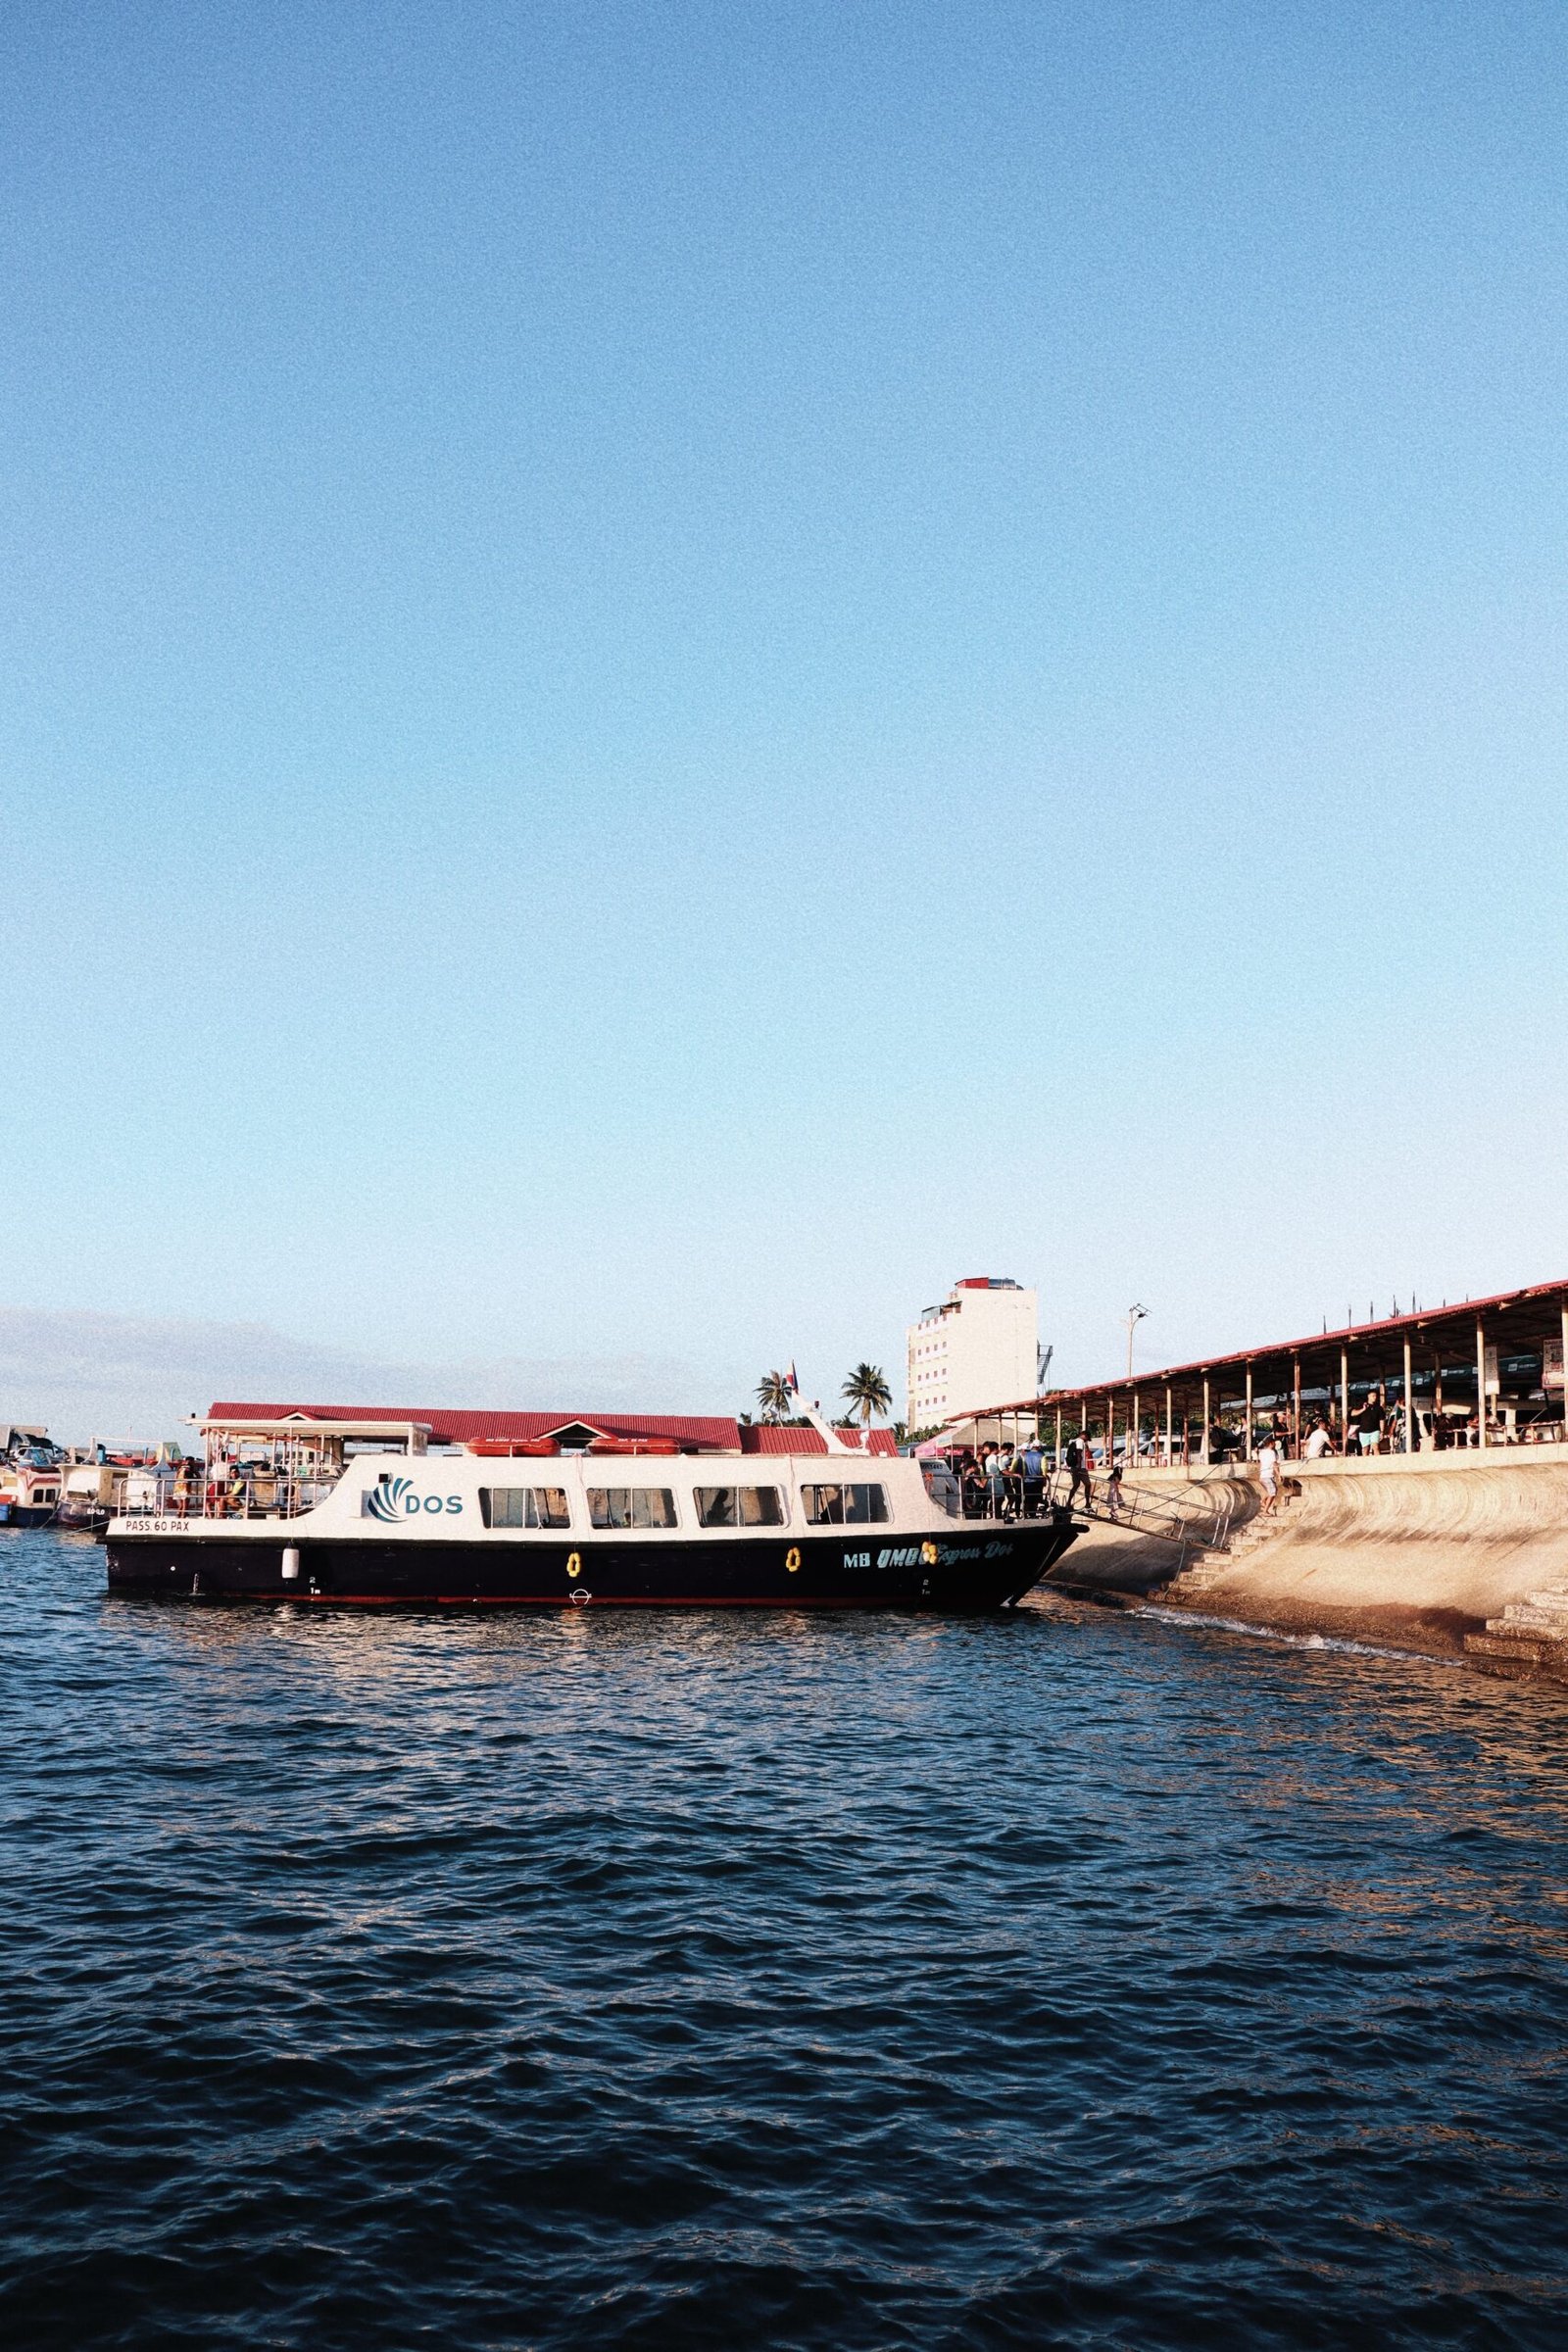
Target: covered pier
(1487, 1372)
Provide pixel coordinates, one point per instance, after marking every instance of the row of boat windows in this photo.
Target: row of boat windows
(654, 1506)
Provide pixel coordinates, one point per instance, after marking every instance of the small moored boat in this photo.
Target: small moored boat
(30, 1471)
(109, 1482)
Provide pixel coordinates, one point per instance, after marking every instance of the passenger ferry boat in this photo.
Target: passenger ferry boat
(30, 1471)
(359, 1513)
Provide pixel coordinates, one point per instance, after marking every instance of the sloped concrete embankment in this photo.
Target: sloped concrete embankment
(1414, 1556)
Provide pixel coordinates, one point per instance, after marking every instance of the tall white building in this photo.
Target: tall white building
(977, 1348)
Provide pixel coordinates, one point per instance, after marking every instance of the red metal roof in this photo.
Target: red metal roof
(709, 1432)
(770, 1436)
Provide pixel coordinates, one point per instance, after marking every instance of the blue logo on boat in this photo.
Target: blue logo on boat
(393, 1498)
(382, 1502)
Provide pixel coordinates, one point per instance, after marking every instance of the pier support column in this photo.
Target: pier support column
(1564, 1367)
(1110, 1434)
(1208, 1425)
(1481, 1382)
(1295, 1410)
(1170, 1462)
(1248, 1453)
(1345, 1400)
(1409, 1401)
(1058, 1463)
(1135, 1435)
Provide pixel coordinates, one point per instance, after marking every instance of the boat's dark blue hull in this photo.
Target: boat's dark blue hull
(974, 1565)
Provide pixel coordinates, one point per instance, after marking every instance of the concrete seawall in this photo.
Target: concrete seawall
(1415, 1551)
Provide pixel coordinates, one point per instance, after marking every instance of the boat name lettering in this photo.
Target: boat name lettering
(395, 1499)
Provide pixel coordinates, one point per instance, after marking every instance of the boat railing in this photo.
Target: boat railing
(258, 1494)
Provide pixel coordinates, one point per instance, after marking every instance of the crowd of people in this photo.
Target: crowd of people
(997, 1481)
(1022, 1480)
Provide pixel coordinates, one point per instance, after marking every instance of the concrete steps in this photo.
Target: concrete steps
(1523, 1617)
(1253, 1537)
(1530, 1636)
(1192, 1580)
(1207, 1568)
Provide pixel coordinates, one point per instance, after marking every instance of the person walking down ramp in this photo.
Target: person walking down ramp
(1268, 1476)
(1078, 1468)
(1034, 1479)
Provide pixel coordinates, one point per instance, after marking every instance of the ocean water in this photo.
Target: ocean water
(586, 1979)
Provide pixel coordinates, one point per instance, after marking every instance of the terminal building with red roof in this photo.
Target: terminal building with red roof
(1474, 1372)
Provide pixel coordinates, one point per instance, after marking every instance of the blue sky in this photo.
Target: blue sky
(671, 672)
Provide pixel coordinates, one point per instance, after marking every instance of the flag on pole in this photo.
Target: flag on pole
(789, 1380)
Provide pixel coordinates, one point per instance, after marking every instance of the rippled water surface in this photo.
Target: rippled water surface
(593, 1980)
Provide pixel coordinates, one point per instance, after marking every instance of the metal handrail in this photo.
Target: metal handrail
(1203, 1525)
(1207, 1521)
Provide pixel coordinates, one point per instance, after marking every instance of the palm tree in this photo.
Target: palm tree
(867, 1391)
(773, 1396)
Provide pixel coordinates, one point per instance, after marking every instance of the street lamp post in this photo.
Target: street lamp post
(1135, 1315)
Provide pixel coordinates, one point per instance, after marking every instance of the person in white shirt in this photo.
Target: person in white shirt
(1318, 1443)
(1268, 1475)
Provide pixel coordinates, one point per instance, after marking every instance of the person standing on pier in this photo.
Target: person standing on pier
(1268, 1476)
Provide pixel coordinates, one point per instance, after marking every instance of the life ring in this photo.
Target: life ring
(574, 1564)
(792, 1559)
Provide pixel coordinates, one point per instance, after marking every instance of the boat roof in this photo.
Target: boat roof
(258, 1422)
(693, 1433)
(699, 1433)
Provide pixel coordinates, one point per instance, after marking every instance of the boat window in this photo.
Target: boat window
(631, 1507)
(739, 1506)
(524, 1506)
(844, 1506)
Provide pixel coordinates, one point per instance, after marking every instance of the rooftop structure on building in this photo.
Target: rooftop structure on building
(979, 1343)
